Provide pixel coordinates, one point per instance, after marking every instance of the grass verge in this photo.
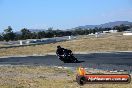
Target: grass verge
(44, 77)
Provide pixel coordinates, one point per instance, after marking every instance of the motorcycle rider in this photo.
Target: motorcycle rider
(60, 52)
(63, 54)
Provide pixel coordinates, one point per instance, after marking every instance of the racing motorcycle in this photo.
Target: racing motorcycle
(68, 57)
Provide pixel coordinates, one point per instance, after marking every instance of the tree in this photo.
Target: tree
(94, 31)
(1, 38)
(59, 33)
(8, 34)
(41, 34)
(67, 33)
(49, 33)
(18, 36)
(79, 31)
(26, 34)
(121, 28)
(86, 31)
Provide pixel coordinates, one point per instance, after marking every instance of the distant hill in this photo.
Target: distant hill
(107, 25)
(36, 30)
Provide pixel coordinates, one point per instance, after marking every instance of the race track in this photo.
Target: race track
(105, 61)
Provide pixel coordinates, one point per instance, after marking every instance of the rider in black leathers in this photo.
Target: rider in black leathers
(65, 54)
(60, 52)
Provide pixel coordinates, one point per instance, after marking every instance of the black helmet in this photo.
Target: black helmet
(58, 47)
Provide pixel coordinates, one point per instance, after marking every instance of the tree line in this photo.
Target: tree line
(9, 35)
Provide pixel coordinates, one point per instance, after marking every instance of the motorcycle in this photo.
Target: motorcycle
(68, 58)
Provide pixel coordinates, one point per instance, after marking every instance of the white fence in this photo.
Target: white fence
(46, 40)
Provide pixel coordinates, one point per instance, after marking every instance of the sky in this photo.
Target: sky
(62, 14)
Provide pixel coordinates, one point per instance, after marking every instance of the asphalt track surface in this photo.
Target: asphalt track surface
(105, 61)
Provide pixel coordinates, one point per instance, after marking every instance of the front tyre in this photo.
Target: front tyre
(81, 80)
